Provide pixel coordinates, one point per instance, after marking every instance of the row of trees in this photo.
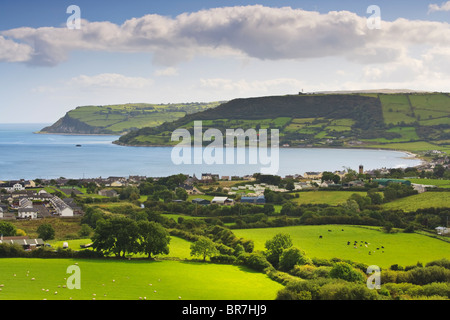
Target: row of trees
(120, 236)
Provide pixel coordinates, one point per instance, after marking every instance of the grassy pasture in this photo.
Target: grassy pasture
(432, 182)
(132, 280)
(401, 248)
(421, 201)
(332, 198)
(396, 109)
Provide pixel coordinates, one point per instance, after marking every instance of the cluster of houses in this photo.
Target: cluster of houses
(31, 204)
(226, 201)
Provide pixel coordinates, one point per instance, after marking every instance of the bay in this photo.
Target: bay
(26, 155)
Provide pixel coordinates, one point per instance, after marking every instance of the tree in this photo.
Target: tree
(204, 247)
(275, 247)
(46, 231)
(7, 229)
(291, 257)
(181, 194)
(154, 239)
(116, 235)
(85, 230)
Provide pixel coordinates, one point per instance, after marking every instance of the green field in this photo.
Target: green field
(118, 119)
(399, 248)
(333, 198)
(421, 201)
(132, 280)
(432, 182)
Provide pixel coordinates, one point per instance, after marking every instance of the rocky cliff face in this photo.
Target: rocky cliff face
(68, 125)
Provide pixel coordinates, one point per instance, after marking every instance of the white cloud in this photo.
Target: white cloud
(170, 71)
(250, 31)
(11, 51)
(110, 80)
(435, 7)
(245, 88)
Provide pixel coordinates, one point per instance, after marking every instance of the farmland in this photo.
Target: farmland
(401, 248)
(420, 201)
(118, 119)
(132, 280)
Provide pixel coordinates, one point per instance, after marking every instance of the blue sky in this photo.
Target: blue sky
(185, 51)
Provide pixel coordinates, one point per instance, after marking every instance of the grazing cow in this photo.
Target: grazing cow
(329, 230)
(320, 237)
(348, 243)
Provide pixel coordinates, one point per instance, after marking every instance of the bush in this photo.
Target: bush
(292, 257)
(442, 263)
(344, 271)
(11, 251)
(256, 261)
(422, 276)
(343, 290)
(223, 258)
(310, 272)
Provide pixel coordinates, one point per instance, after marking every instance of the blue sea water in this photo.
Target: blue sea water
(26, 155)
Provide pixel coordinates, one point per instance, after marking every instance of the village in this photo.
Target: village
(39, 198)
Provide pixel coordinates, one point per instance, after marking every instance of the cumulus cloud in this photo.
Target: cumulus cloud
(249, 31)
(110, 80)
(11, 51)
(244, 87)
(435, 7)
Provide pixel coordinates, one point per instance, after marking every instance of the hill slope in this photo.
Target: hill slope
(119, 119)
(416, 122)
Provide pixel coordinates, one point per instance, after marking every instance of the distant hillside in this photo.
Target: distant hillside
(120, 119)
(417, 122)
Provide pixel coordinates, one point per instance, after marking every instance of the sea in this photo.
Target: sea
(27, 155)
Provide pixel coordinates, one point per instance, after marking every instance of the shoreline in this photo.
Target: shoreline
(77, 134)
(410, 155)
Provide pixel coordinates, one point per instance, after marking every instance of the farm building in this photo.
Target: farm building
(108, 193)
(27, 244)
(200, 201)
(254, 200)
(442, 230)
(223, 201)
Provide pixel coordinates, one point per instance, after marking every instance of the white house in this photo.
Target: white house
(11, 187)
(25, 203)
(442, 230)
(61, 207)
(1, 213)
(28, 213)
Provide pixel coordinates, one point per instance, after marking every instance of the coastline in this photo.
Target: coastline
(76, 134)
(410, 155)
